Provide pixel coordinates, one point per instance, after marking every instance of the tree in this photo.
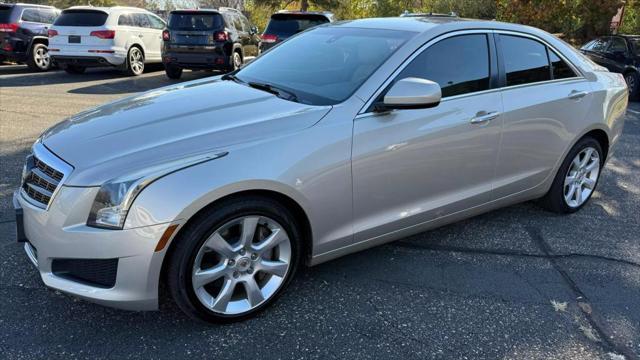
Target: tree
(303, 5)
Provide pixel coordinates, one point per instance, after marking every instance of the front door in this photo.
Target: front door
(413, 166)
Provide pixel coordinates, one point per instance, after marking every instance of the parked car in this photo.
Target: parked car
(344, 137)
(221, 39)
(123, 37)
(285, 24)
(23, 34)
(620, 54)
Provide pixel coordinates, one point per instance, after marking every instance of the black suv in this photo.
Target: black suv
(618, 53)
(23, 34)
(221, 39)
(285, 24)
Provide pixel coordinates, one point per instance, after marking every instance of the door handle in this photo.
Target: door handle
(575, 95)
(140, 35)
(484, 117)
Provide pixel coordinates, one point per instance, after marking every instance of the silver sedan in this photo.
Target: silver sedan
(344, 137)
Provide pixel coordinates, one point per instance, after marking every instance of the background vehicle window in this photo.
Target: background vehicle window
(48, 16)
(600, 44)
(285, 25)
(561, 70)
(31, 15)
(141, 20)
(237, 23)
(81, 18)
(525, 60)
(459, 64)
(618, 45)
(635, 45)
(245, 24)
(197, 22)
(155, 22)
(125, 20)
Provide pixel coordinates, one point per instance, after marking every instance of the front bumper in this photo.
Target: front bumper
(60, 234)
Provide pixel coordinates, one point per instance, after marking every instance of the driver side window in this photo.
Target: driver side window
(459, 64)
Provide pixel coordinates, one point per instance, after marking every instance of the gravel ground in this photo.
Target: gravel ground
(511, 284)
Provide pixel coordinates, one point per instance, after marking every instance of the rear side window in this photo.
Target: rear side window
(48, 16)
(285, 25)
(31, 15)
(125, 20)
(599, 44)
(560, 69)
(156, 23)
(459, 64)
(195, 22)
(81, 18)
(525, 60)
(140, 20)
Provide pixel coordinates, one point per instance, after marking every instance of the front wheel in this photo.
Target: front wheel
(577, 178)
(236, 61)
(39, 59)
(234, 259)
(633, 83)
(135, 62)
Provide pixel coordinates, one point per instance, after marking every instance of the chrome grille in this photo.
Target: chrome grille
(42, 176)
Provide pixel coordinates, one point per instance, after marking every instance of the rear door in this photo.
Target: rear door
(149, 37)
(74, 29)
(545, 102)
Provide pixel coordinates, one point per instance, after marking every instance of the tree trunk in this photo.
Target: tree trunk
(304, 5)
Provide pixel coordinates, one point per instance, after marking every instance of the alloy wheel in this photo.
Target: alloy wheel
(241, 265)
(136, 61)
(237, 61)
(631, 82)
(582, 176)
(41, 57)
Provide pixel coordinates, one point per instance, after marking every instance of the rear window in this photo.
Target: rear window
(285, 25)
(195, 22)
(81, 18)
(5, 14)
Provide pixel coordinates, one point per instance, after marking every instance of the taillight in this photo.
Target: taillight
(221, 36)
(104, 34)
(8, 27)
(52, 33)
(166, 36)
(268, 38)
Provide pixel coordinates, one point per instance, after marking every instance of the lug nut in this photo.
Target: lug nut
(232, 262)
(242, 251)
(236, 274)
(250, 270)
(254, 256)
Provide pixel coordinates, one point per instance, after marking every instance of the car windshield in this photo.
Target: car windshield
(81, 18)
(285, 25)
(195, 22)
(635, 44)
(325, 65)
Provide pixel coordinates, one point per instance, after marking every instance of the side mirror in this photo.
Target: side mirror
(411, 93)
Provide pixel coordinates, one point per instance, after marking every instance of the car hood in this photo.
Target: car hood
(169, 124)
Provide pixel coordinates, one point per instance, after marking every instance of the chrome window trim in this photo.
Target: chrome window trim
(49, 158)
(580, 75)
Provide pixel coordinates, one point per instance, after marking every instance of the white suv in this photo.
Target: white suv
(124, 37)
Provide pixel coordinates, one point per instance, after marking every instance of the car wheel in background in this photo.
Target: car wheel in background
(173, 72)
(74, 69)
(236, 61)
(135, 61)
(577, 178)
(633, 82)
(234, 259)
(39, 59)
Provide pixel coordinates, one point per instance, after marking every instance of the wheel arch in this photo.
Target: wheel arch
(301, 216)
(38, 40)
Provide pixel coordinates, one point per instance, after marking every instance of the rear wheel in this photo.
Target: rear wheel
(577, 178)
(39, 59)
(236, 61)
(135, 62)
(173, 72)
(633, 83)
(74, 69)
(234, 260)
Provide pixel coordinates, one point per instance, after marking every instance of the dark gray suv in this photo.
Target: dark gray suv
(216, 39)
(23, 34)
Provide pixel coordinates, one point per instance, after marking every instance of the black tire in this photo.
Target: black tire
(633, 81)
(189, 241)
(134, 67)
(38, 59)
(235, 61)
(173, 72)
(554, 200)
(74, 69)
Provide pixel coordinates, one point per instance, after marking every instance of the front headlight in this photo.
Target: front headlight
(112, 203)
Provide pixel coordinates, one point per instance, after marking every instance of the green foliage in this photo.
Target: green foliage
(631, 22)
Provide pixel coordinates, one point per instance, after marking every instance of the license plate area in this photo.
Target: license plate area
(74, 39)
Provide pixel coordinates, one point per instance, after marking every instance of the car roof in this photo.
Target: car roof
(112, 9)
(26, 5)
(194, 11)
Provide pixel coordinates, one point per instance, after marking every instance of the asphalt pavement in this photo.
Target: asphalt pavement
(510, 284)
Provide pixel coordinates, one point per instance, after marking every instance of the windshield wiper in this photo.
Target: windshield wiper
(279, 92)
(232, 77)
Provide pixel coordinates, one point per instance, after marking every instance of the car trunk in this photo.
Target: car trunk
(194, 32)
(74, 28)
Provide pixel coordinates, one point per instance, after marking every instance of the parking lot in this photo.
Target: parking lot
(515, 283)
